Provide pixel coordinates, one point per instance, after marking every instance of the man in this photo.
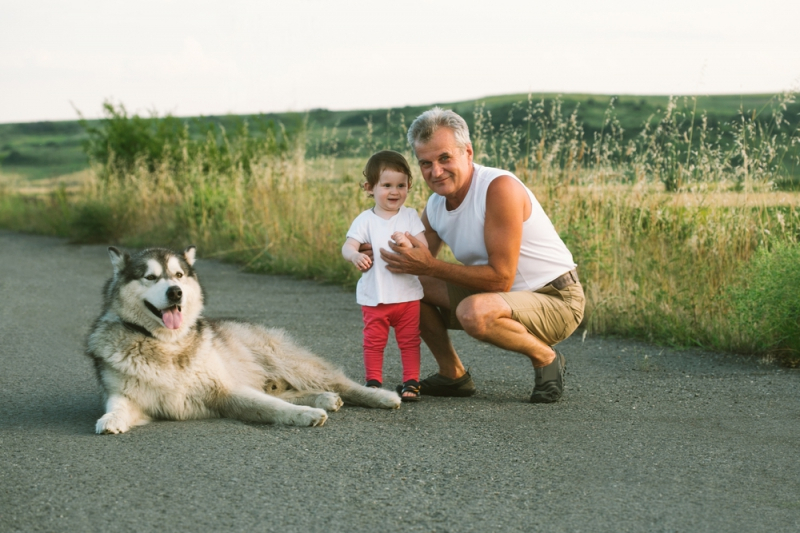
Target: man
(516, 288)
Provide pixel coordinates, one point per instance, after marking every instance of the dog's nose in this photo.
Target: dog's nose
(174, 294)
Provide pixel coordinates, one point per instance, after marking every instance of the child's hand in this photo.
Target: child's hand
(400, 239)
(362, 262)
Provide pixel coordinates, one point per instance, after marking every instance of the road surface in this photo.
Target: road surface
(646, 439)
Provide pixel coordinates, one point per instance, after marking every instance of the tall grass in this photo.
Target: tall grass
(659, 265)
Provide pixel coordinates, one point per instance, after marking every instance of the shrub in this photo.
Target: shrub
(121, 143)
(122, 140)
(765, 303)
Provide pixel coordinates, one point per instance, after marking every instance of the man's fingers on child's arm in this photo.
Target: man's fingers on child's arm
(420, 237)
(417, 243)
(366, 249)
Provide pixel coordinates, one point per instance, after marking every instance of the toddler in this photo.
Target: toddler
(387, 299)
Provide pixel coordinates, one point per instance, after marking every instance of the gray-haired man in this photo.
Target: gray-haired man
(516, 288)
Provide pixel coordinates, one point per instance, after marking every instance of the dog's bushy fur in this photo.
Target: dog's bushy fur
(156, 357)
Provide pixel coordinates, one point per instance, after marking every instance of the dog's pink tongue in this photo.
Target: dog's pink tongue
(172, 318)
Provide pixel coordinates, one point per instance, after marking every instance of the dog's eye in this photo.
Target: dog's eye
(179, 275)
(151, 277)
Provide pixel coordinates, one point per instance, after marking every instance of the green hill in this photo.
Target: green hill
(45, 149)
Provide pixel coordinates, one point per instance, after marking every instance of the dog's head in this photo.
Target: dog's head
(155, 288)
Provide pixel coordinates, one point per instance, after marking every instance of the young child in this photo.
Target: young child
(387, 299)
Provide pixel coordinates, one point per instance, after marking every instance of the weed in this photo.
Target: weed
(646, 364)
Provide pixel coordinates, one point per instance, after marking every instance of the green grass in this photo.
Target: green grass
(766, 300)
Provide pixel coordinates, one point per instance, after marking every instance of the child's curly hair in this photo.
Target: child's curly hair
(379, 162)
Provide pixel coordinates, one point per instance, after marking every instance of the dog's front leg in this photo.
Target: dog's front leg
(121, 415)
(256, 406)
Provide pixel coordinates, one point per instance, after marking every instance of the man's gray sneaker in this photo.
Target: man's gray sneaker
(439, 385)
(549, 384)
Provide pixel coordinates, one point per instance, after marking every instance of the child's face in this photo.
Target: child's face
(391, 191)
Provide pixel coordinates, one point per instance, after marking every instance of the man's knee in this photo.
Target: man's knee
(476, 315)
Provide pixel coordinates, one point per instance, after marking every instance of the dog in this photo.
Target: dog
(157, 357)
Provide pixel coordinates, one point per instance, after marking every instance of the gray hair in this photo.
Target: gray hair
(425, 125)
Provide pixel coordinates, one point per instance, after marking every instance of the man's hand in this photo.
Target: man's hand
(415, 260)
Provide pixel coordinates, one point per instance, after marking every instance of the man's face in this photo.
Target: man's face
(446, 167)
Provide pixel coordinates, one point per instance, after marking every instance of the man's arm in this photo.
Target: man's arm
(507, 207)
(432, 239)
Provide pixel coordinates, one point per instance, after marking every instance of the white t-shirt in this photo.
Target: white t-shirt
(377, 285)
(543, 256)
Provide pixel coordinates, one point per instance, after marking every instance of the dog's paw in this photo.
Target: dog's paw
(330, 401)
(307, 416)
(385, 399)
(111, 424)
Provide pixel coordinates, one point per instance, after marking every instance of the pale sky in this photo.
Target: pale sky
(243, 56)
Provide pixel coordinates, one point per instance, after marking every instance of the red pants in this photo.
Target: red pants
(404, 318)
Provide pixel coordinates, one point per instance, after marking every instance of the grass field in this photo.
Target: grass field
(681, 233)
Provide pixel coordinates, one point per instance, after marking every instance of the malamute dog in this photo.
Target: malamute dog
(156, 357)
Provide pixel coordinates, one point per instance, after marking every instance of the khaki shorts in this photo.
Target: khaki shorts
(549, 314)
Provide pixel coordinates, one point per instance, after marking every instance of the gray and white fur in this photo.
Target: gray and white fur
(156, 357)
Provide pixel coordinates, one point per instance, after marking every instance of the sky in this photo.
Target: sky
(198, 57)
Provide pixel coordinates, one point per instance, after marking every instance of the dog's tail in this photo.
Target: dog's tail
(354, 394)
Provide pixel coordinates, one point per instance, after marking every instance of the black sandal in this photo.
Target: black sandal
(439, 385)
(410, 387)
(373, 384)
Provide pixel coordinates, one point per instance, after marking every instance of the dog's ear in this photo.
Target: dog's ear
(118, 259)
(189, 254)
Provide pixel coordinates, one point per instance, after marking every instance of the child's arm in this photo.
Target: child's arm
(401, 238)
(351, 253)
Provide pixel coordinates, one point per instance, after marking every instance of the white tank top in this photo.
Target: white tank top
(543, 255)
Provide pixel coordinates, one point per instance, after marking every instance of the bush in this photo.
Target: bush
(121, 143)
(123, 140)
(765, 304)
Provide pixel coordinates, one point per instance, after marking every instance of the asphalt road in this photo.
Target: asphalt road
(646, 439)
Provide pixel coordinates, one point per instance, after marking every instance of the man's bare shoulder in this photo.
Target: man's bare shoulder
(505, 187)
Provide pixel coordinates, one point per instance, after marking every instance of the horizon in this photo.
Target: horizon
(431, 104)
